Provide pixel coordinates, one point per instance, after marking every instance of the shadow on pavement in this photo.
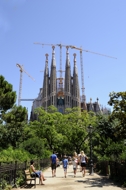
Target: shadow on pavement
(27, 186)
(95, 182)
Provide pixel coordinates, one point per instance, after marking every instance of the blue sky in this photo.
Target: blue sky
(96, 25)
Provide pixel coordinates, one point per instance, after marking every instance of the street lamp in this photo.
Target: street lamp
(91, 161)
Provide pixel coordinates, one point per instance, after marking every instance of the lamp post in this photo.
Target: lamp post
(91, 161)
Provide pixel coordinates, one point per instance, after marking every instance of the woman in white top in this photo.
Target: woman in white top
(75, 162)
(83, 160)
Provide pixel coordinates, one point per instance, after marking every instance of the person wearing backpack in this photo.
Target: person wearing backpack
(83, 161)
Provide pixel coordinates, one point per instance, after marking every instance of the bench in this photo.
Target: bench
(28, 177)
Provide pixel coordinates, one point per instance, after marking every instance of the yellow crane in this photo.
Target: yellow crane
(81, 60)
(20, 84)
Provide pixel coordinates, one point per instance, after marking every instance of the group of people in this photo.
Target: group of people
(77, 159)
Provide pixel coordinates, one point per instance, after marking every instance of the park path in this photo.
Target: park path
(88, 182)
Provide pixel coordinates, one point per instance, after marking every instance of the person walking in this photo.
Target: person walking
(75, 162)
(83, 160)
(53, 159)
(36, 172)
(65, 164)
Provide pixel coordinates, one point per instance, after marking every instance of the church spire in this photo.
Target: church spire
(53, 79)
(67, 57)
(76, 92)
(75, 66)
(46, 65)
(45, 91)
(53, 64)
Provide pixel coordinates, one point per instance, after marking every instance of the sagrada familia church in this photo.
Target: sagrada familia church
(61, 92)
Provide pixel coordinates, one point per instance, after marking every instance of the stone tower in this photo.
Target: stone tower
(67, 89)
(75, 86)
(45, 91)
(53, 80)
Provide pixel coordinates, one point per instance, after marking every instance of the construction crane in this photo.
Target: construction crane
(20, 84)
(81, 61)
(82, 71)
(53, 46)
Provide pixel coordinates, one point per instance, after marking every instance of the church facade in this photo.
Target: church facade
(61, 92)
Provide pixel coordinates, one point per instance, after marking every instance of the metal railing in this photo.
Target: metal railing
(11, 172)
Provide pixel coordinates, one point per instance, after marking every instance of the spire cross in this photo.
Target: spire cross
(74, 58)
(53, 52)
(67, 53)
(46, 57)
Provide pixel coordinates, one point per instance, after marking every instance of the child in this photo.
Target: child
(75, 162)
(65, 164)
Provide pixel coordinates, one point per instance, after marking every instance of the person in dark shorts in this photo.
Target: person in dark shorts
(53, 159)
(83, 160)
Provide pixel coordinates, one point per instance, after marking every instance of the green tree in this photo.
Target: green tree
(7, 95)
(46, 126)
(107, 146)
(13, 129)
(10, 154)
(118, 101)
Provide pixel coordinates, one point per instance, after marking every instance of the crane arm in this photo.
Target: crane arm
(22, 70)
(37, 43)
(74, 47)
(29, 75)
(99, 54)
(60, 45)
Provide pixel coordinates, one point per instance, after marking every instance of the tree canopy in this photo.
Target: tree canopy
(7, 95)
(63, 133)
(118, 101)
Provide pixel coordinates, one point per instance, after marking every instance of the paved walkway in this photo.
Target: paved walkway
(88, 182)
